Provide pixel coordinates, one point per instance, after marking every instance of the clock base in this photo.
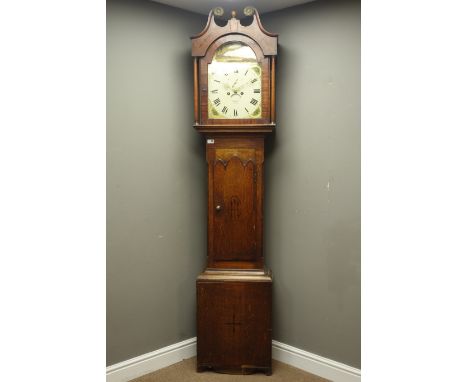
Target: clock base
(234, 321)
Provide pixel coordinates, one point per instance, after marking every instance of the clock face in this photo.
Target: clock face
(234, 83)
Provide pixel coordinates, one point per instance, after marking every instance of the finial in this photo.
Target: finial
(233, 14)
(218, 11)
(249, 10)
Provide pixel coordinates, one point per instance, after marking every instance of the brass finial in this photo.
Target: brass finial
(218, 11)
(233, 14)
(249, 10)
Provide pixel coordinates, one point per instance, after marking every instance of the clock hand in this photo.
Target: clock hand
(243, 85)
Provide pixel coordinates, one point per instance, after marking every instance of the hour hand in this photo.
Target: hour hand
(241, 86)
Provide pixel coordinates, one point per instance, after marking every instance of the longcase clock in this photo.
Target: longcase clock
(234, 97)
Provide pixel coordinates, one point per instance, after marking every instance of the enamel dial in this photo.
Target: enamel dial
(234, 83)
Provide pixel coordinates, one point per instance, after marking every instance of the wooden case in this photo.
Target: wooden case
(234, 294)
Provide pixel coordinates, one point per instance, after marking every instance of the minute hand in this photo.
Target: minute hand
(243, 85)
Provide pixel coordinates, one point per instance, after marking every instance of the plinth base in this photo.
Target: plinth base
(234, 321)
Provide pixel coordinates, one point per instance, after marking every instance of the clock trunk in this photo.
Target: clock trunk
(235, 201)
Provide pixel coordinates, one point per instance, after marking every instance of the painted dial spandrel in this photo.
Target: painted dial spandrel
(234, 83)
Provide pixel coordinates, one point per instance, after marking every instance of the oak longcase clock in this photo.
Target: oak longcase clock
(234, 68)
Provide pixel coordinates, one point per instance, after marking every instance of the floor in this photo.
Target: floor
(186, 371)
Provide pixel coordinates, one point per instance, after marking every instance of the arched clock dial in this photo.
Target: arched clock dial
(234, 83)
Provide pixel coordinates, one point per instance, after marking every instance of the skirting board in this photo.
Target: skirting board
(149, 362)
(315, 364)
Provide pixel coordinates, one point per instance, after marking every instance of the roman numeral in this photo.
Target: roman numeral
(215, 91)
(254, 80)
(235, 113)
(246, 110)
(256, 90)
(217, 101)
(253, 101)
(246, 72)
(225, 109)
(217, 81)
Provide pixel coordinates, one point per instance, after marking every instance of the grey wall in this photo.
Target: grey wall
(156, 180)
(312, 205)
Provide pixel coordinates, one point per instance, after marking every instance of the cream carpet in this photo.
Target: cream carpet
(185, 371)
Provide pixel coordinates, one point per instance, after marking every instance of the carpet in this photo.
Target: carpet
(185, 371)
